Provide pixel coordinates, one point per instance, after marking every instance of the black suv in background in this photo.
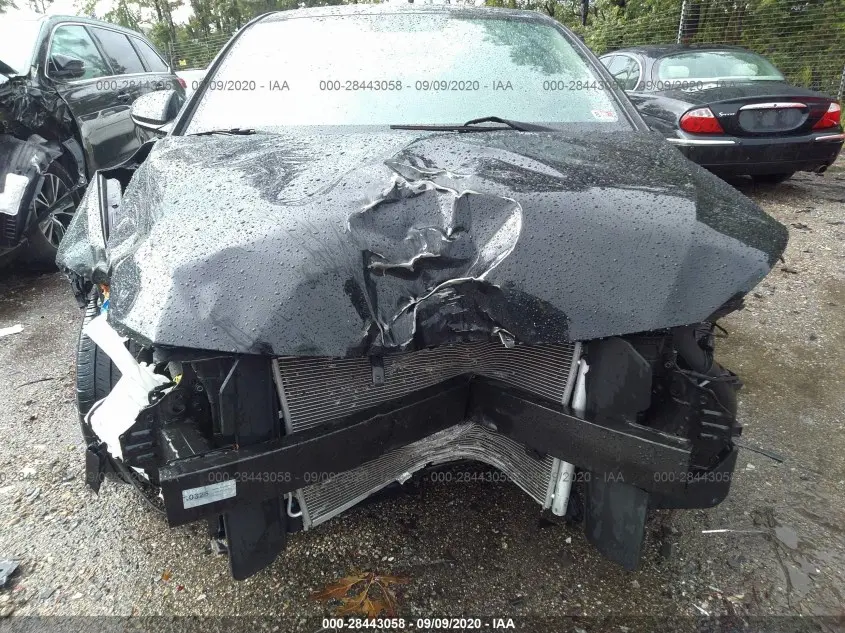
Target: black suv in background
(66, 88)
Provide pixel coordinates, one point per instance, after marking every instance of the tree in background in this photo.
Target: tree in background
(804, 38)
(39, 6)
(164, 29)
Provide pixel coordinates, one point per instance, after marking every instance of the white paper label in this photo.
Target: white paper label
(10, 198)
(193, 497)
(604, 115)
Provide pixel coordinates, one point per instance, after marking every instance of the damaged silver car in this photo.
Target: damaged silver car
(382, 238)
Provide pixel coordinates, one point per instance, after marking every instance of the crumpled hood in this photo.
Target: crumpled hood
(350, 244)
(27, 107)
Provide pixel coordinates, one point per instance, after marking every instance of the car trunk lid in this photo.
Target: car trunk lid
(770, 108)
(770, 117)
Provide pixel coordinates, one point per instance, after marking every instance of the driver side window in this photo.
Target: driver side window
(72, 40)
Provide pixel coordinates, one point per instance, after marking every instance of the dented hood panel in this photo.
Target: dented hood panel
(350, 244)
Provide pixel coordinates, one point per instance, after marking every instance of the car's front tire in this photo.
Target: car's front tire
(96, 374)
(55, 208)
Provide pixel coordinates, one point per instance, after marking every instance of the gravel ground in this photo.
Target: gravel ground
(474, 548)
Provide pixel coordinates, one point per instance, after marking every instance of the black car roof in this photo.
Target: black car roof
(661, 50)
(53, 20)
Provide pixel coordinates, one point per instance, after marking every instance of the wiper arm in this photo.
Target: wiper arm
(516, 125)
(235, 131)
(471, 126)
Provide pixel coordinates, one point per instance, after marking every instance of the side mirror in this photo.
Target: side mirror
(154, 110)
(64, 67)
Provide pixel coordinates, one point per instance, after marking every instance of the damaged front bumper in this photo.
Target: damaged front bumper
(268, 445)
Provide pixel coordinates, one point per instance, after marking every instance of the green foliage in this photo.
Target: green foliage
(615, 24)
(804, 38)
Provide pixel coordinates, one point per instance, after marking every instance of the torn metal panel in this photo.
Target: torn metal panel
(27, 108)
(349, 244)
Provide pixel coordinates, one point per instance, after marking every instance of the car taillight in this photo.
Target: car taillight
(829, 118)
(701, 121)
(182, 82)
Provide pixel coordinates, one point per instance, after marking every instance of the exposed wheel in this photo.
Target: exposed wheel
(55, 208)
(772, 179)
(96, 374)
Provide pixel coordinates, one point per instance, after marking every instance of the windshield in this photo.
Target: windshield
(405, 68)
(17, 42)
(716, 66)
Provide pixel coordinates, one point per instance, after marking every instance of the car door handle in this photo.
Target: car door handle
(124, 96)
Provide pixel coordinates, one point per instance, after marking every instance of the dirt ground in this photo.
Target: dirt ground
(474, 548)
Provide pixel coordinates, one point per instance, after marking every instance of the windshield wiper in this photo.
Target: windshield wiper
(472, 126)
(234, 131)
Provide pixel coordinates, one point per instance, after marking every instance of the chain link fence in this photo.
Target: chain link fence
(196, 53)
(804, 39)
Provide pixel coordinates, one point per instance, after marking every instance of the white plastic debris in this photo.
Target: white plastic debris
(579, 397)
(12, 194)
(15, 329)
(117, 412)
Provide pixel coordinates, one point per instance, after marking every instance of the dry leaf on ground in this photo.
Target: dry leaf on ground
(366, 594)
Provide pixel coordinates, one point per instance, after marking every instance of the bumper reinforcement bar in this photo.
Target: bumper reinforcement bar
(195, 487)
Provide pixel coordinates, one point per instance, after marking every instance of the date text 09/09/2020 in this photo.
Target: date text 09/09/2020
(422, 624)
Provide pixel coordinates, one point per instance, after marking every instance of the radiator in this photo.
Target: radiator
(322, 501)
(316, 391)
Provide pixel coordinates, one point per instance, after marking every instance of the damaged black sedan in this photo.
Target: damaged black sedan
(445, 243)
(730, 110)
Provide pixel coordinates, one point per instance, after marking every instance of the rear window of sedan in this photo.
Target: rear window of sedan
(717, 65)
(403, 68)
